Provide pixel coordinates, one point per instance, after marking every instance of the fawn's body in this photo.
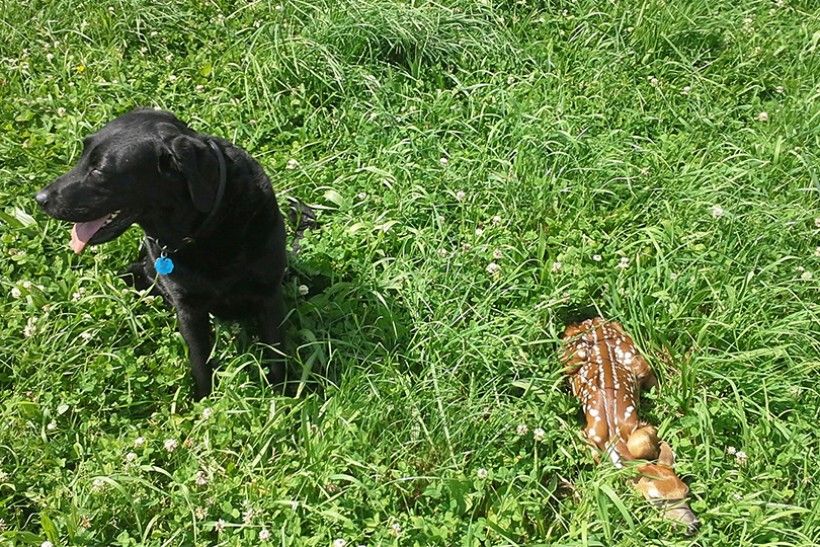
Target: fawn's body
(607, 374)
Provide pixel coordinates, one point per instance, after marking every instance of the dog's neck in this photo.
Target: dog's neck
(210, 221)
(171, 244)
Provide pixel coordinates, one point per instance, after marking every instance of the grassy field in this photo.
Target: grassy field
(485, 172)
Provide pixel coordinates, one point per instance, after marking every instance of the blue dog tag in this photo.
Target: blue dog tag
(164, 265)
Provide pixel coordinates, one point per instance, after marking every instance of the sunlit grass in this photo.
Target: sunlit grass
(600, 155)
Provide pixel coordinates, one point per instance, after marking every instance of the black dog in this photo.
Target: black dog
(215, 237)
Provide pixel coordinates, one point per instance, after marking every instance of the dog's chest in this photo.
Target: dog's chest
(226, 291)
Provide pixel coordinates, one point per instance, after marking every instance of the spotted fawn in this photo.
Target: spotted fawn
(607, 374)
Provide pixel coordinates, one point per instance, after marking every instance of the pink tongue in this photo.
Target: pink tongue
(83, 231)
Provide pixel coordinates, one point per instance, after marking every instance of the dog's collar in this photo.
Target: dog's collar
(163, 264)
(210, 220)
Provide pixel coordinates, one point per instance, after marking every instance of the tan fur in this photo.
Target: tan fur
(607, 374)
(643, 443)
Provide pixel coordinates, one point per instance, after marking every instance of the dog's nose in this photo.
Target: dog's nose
(41, 197)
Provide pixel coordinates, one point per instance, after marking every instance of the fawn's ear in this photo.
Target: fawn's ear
(666, 457)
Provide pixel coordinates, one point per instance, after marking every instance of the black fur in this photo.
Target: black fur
(163, 176)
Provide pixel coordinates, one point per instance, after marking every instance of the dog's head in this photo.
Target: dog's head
(144, 167)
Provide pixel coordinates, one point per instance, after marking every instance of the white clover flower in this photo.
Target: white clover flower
(199, 87)
(556, 266)
(493, 268)
(2, 525)
(686, 90)
(597, 258)
(201, 478)
(716, 210)
(481, 473)
(86, 335)
(460, 195)
(172, 77)
(98, 484)
(817, 222)
(3, 476)
(303, 290)
(220, 525)
(15, 292)
(52, 425)
(731, 450)
(200, 513)
(170, 445)
(339, 542)
(78, 294)
(623, 263)
(763, 117)
(479, 232)
(806, 276)
(780, 89)
(279, 7)
(653, 81)
(396, 528)
(26, 284)
(497, 220)
(741, 457)
(30, 328)
(442, 253)
(521, 430)
(46, 543)
(131, 457)
(498, 254)
(361, 196)
(817, 251)
(139, 442)
(264, 534)
(207, 412)
(538, 434)
(443, 161)
(247, 516)
(292, 164)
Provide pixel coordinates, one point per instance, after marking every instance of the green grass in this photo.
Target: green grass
(571, 130)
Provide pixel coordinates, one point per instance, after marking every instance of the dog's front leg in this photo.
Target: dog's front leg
(270, 334)
(195, 327)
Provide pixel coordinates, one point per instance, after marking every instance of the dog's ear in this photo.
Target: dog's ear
(200, 168)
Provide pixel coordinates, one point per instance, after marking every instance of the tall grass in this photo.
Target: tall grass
(606, 156)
